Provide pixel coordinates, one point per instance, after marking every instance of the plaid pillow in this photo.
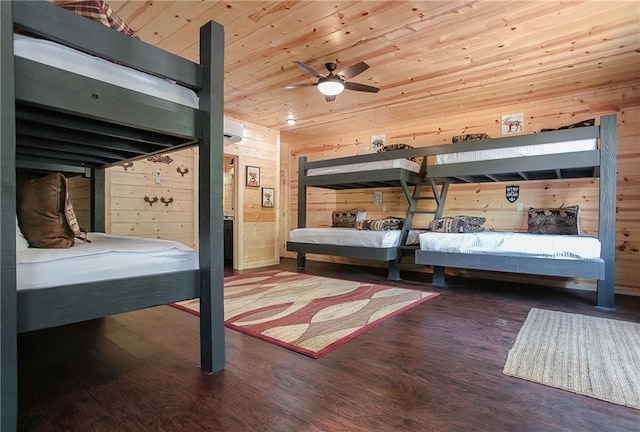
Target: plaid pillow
(97, 10)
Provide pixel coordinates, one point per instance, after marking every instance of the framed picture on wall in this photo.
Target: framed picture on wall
(253, 176)
(267, 197)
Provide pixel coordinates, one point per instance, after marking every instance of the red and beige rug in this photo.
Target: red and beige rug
(308, 314)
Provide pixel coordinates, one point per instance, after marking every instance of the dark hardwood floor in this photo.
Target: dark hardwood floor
(436, 367)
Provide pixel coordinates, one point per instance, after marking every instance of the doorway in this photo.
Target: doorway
(228, 208)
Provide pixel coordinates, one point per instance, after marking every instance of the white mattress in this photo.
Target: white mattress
(351, 237)
(366, 166)
(63, 57)
(513, 244)
(106, 257)
(520, 151)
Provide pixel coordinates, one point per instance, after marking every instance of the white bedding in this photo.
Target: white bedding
(106, 257)
(520, 151)
(63, 57)
(366, 166)
(513, 244)
(351, 237)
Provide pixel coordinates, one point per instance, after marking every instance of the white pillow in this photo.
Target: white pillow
(21, 241)
(361, 216)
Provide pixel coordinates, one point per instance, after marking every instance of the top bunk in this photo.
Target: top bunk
(105, 116)
(561, 154)
(570, 153)
(389, 169)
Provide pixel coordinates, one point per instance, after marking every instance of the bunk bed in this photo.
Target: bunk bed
(379, 170)
(56, 120)
(571, 153)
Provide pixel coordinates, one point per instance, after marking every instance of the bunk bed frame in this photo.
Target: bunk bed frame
(593, 163)
(410, 182)
(53, 120)
(600, 162)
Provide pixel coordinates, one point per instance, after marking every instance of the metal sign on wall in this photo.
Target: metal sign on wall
(512, 192)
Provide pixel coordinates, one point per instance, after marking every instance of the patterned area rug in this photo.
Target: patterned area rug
(591, 356)
(311, 315)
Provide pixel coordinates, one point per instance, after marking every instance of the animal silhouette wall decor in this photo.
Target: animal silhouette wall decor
(512, 123)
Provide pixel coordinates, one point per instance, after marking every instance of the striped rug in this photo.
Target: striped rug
(596, 357)
(308, 314)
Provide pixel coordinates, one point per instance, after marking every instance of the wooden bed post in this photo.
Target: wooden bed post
(302, 204)
(607, 210)
(97, 200)
(212, 345)
(8, 309)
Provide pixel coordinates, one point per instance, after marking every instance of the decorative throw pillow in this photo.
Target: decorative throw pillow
(45, 214)
(457, 224)
(344, 218)
(469, 137)
(97, 10)
(21, 242)
(563, 220)
(387, 224)
(399, 146)
(583, 123)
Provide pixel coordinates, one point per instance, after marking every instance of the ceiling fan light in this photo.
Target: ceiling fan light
(331, 87)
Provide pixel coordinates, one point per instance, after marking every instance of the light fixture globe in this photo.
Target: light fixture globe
(330, 86)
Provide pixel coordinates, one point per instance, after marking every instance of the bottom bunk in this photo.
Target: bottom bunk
(111, 274)
(353, 243)
(550, 255)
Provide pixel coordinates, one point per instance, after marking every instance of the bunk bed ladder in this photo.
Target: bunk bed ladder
(437, 195)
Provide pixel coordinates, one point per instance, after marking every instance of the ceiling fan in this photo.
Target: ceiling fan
(334, 83)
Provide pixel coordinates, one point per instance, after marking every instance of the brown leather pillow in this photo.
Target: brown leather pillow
(45, 214)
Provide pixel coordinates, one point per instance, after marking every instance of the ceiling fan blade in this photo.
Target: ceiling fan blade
(330, 98)
(290, 86)
(360, 87)
(307, 69)
(354, 70)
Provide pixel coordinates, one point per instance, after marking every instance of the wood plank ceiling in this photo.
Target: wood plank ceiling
(428, 58)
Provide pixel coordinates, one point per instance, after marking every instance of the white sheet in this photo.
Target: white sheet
(351, 237)
(63, 57)
(513, 244)
(106, 257)
(366, 166)
(520, 151)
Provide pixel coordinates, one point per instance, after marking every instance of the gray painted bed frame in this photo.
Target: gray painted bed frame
(384, 178)
(53, 120)
(600, 162)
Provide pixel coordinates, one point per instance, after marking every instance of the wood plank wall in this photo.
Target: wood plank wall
(488, 200)
(256, 231)
(169, 212)
(80, 198)
(255, 227)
